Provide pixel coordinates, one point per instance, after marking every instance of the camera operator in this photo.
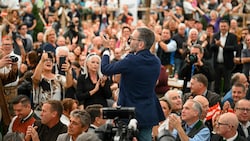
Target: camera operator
(74, 34)
(195, 64)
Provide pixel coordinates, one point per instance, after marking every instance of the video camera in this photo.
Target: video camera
(124, 127)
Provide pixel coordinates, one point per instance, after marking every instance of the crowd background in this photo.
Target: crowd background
(58, 44)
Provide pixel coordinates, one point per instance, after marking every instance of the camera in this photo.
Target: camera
(124, 127)
(193, 58)
(13, 58)
(165, 135)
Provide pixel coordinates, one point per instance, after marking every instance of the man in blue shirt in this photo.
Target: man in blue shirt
(193, 129)
(139, 73)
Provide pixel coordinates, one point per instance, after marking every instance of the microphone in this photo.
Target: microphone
(132, 124)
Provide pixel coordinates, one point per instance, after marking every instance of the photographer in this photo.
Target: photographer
(195, 64)
(74, 35)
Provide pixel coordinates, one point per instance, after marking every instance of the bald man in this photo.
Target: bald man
(227, 125)
(205, 105)
(242, 111)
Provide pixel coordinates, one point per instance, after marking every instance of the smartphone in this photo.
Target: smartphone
(62, 60)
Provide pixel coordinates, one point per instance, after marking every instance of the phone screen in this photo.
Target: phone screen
(62, 60)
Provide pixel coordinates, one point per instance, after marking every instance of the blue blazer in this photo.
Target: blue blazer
(139, 73)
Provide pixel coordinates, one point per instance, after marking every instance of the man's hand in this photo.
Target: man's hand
(31, 133)
(5, 61)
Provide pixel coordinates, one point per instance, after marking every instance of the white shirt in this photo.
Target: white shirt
(244, 128)
(233, 138)
(220, 58)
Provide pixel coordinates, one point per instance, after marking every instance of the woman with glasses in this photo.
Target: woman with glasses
(46, 84)
(92, 86)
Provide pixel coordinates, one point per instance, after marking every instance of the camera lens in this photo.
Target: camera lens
(193, 58)
(13, 58)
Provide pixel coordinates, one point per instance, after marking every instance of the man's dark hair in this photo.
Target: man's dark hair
(56, 105)
(147, 36)
(199, 47)
(225, 21)
(23, 99)
(237, 84)
(21, 25)
(94, 111)
(201, 78)
(210, 25)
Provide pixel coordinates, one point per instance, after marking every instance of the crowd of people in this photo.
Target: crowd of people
(55, 81)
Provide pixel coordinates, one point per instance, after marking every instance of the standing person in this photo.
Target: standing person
(223, 45)
(5, 79)
(139, 72)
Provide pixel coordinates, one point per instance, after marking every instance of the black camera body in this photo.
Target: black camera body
(192, 58)
(13, 58)
(120, 130)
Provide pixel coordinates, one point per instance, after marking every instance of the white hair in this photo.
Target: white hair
(58, 49)
(88, 58)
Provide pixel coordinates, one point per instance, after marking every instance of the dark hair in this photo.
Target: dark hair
(126, 27)
(199, 47)
(33, 57)
(56, 105)
(201, 78)
(21, 25)
(237, 84)
(94, 111)
(210, 25)
(23, 99)
(224, 21)
(147, 36)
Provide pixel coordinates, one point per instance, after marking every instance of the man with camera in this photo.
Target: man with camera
(195, 64)
(10, 89)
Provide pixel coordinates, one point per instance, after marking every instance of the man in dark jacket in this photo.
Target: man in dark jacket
(139, 72)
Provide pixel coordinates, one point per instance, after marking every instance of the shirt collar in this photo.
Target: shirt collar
(224, 35)
(233, 138)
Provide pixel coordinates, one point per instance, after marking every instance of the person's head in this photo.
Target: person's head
(79, 122)
(39, 36)
(204, 103)
(61, 41)
(213, 15)
(224, 26)
(197, 50)
(118, 53)
(126, 31)
(174, 99)
(198, 84)
(238, 92)
(22, 29)
(227, 125)
(166, 106)
(165, 34)
(51, 112)
(242, 110)
(142, 38)
(92, 64)
(240, 78)
(50, 36)
(89, 136)
(13, 136)
(210, 29)
(95, 112)
(181, 29)
(193, 34)
(69, 105)
(191, 111)
(62, 51)
(21, 106)
(7, 45)
(82, 59)
(233, 24)
(198, 25)
(48, 62)
(247, 40)
(244, 33)
(32, 59)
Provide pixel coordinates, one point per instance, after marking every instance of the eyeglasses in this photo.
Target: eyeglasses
(219, 123)
(243, 109)
(131, 38)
